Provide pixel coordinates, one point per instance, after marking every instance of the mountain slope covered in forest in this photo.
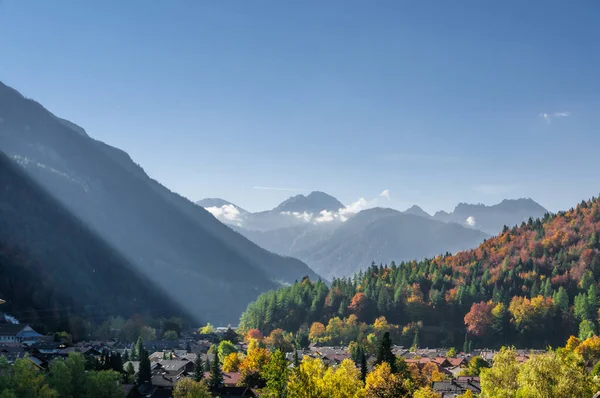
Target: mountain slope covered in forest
(532, 285)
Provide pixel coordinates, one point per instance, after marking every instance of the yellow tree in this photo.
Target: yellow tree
(317, 331)
(431, 373)
(342, 381)
(589, 349)
(256, 359)
(500, 381)
(232, 362)
(426, 392)
(553, 375)
(572, 343)
(305, 381)
(382, 383)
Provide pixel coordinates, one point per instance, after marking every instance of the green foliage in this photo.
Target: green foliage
(216, 375)
(385, 354)
(476, 364)
(170, 335)
(586, 329)
(275, 374)
(104, 384)
(225, 348)
(199, 369)
(145, 371)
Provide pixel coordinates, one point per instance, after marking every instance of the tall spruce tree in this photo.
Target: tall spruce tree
(385, 354)
(145, 372)
(363, 365)
(199, 371)
(216, 375)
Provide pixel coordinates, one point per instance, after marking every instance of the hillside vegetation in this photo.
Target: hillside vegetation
(531, 285)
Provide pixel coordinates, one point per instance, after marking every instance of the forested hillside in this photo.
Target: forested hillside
(531, 285)
(53, 267)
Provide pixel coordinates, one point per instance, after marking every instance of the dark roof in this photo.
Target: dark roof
(456, 387)
(10, 329)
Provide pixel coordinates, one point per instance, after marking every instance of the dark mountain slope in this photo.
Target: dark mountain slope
(213, 270)
(52, 266)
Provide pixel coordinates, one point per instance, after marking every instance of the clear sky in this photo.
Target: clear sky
(437, 101)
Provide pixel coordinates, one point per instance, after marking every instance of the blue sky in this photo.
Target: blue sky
(439, 102)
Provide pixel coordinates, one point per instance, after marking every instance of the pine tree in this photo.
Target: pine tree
(145, 372)
(296, 359)
(164, 357)
(216, 375)
(132, 355)
(385, 354)
(207, 364)
(415, 344)
(139, 347)
(199, 371)
(125, 356)
(363, 365)
(466, 346)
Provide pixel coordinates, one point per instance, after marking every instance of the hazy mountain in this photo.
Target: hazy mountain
(52, 266)
(218, 202)
(491, 219)
(297, 211)
(203, 264)
(417, 211)
(315, 202)
(385, 235)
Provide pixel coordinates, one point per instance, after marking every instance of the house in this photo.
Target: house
(12, 352)
(454, 388)
(230, 379)
(16, 333)
(175, 367)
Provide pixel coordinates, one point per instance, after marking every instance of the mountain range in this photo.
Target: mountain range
(210, 269)
(340, 246)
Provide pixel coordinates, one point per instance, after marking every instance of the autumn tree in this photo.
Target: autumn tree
(188, 388)
(500, 381)
(479, 319)
(232, 362)
(225, 348)
(382, 383)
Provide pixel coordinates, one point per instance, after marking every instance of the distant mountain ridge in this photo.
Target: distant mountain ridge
(335, 249)
(210, 269)
(491, 219)
(315, 202)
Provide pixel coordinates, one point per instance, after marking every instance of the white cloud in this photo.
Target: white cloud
(470, 221)
(301, 216)
(325, 216)
(549, 116)
(226, 212)
(343, 214)
(277, 188)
